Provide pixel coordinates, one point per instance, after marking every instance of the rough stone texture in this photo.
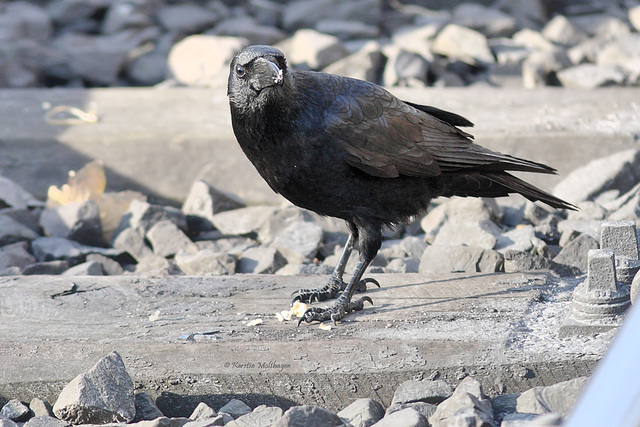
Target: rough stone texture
(203, 201)
(146, 408)
(131, 242)
(15, 255)
(109, 266)
(91, 268)
(575, 252)
(40, 407)
(78, 221)
(12, 231)
(362, 412)
(619, 171)
(242, 221)
(16, 411)
(406, 417)
(56, 248)
(302, 238)
(47, 267)
(261, 416)
(364, 64)
(101, 395)
(441, 259)
(6, 422)
(141, 216)
(202, 412)
(205, 262)
(13, 195)
(464, 44)
(235, 408)
(167, 239)
(260, 260)
(45, 421)
(308, 416)
(426, 409)
(590, 76)
(558, 398)
(422, 391)
(312, 50)
(467, 401)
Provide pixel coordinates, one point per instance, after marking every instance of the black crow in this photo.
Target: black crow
(349, 149)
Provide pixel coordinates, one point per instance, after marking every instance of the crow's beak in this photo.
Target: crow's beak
(267, 74)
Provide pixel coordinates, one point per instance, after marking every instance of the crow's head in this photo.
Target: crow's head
(255, 71)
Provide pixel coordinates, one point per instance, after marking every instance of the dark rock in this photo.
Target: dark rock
(15, 255)
(146, 408)
(11, 194)
(26, 216)
(103, 394)
(247, 28)
(362, 412)
(141, 216)
(46, 267)
(404, 68)
(575, 252)
(123, 14)
(40, 407)
(65, 12)
(203, 201)
(186, 18)
(12, 231)
(262, 416)
(167, 239)
(147, 69)
(91, 268)
(445, 259)
(75, 221)
(131, 242)
(16, 411)
(235, 408)
(407, 417)
(525, 261)
(54, 248)
(346, 29)
(206, 262)
(109, 266)
(308, 416)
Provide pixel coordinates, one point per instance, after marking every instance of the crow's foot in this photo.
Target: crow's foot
(330, 290)
(335, 313)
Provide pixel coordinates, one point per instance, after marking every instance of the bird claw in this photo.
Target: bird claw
(335, 313)
(329, 291)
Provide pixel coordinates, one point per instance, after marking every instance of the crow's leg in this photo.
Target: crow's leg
(336, 284)
(369, 245)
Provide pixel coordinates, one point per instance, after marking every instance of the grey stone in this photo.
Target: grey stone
(203, 201)
(15, 255)
(100, 58)
(11, 194)
(588, 210)
(517, 420)
(619, 171)
(590, 227)
(65, 12)
(218, 420)
(28, 217)
(308, 416)
(591, 76)
(261, 416)
(362, 412)
(203, 60)
(519, 238)
(539, 66)
(601, 25)
(243, 221)
(558, 398)
(532, 39)
(465, 209)
(165, 422)
(620, 51)
(464, 232)
(347, 29)
(53, 248)
(620, 236)
(429, 391)
(426, 409)
(156, 265)
(635, 288)
(46, 267)
(167, 239)
(147, 69)
(24, 20)
(310, 49)
(16, 411)
(40, 407)
(515, 261)
(464, 44)
(413, 246)
(101, 395)
(45, 421)
(445, 259)
(576, 251)
(141, 216)
(562, 31)
(79, 221)
(123, 14)
(130, 241)
(625, 207)
(109, 266)
(12, 231)
(203, 412)
(415, 39)
(206, 262)
(404, 68)
(467, 402)
(449, 79)
(306, 13)
(186, 18)
(6, 422)
(364, 64)
(407, 417)
(246, 27)
(489, 21)
(231, 245)
(304, 269)
(146, 408)
(90, 268)
(302, 238)
(235, 408)
(260, 260)
(267, 12)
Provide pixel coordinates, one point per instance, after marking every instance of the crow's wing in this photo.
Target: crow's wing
(386, 137)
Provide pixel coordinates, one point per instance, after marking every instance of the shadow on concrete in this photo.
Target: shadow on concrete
(178, 405)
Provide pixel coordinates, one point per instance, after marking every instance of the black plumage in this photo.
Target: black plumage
(348, 148)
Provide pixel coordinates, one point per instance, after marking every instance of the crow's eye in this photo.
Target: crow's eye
(240, 71)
